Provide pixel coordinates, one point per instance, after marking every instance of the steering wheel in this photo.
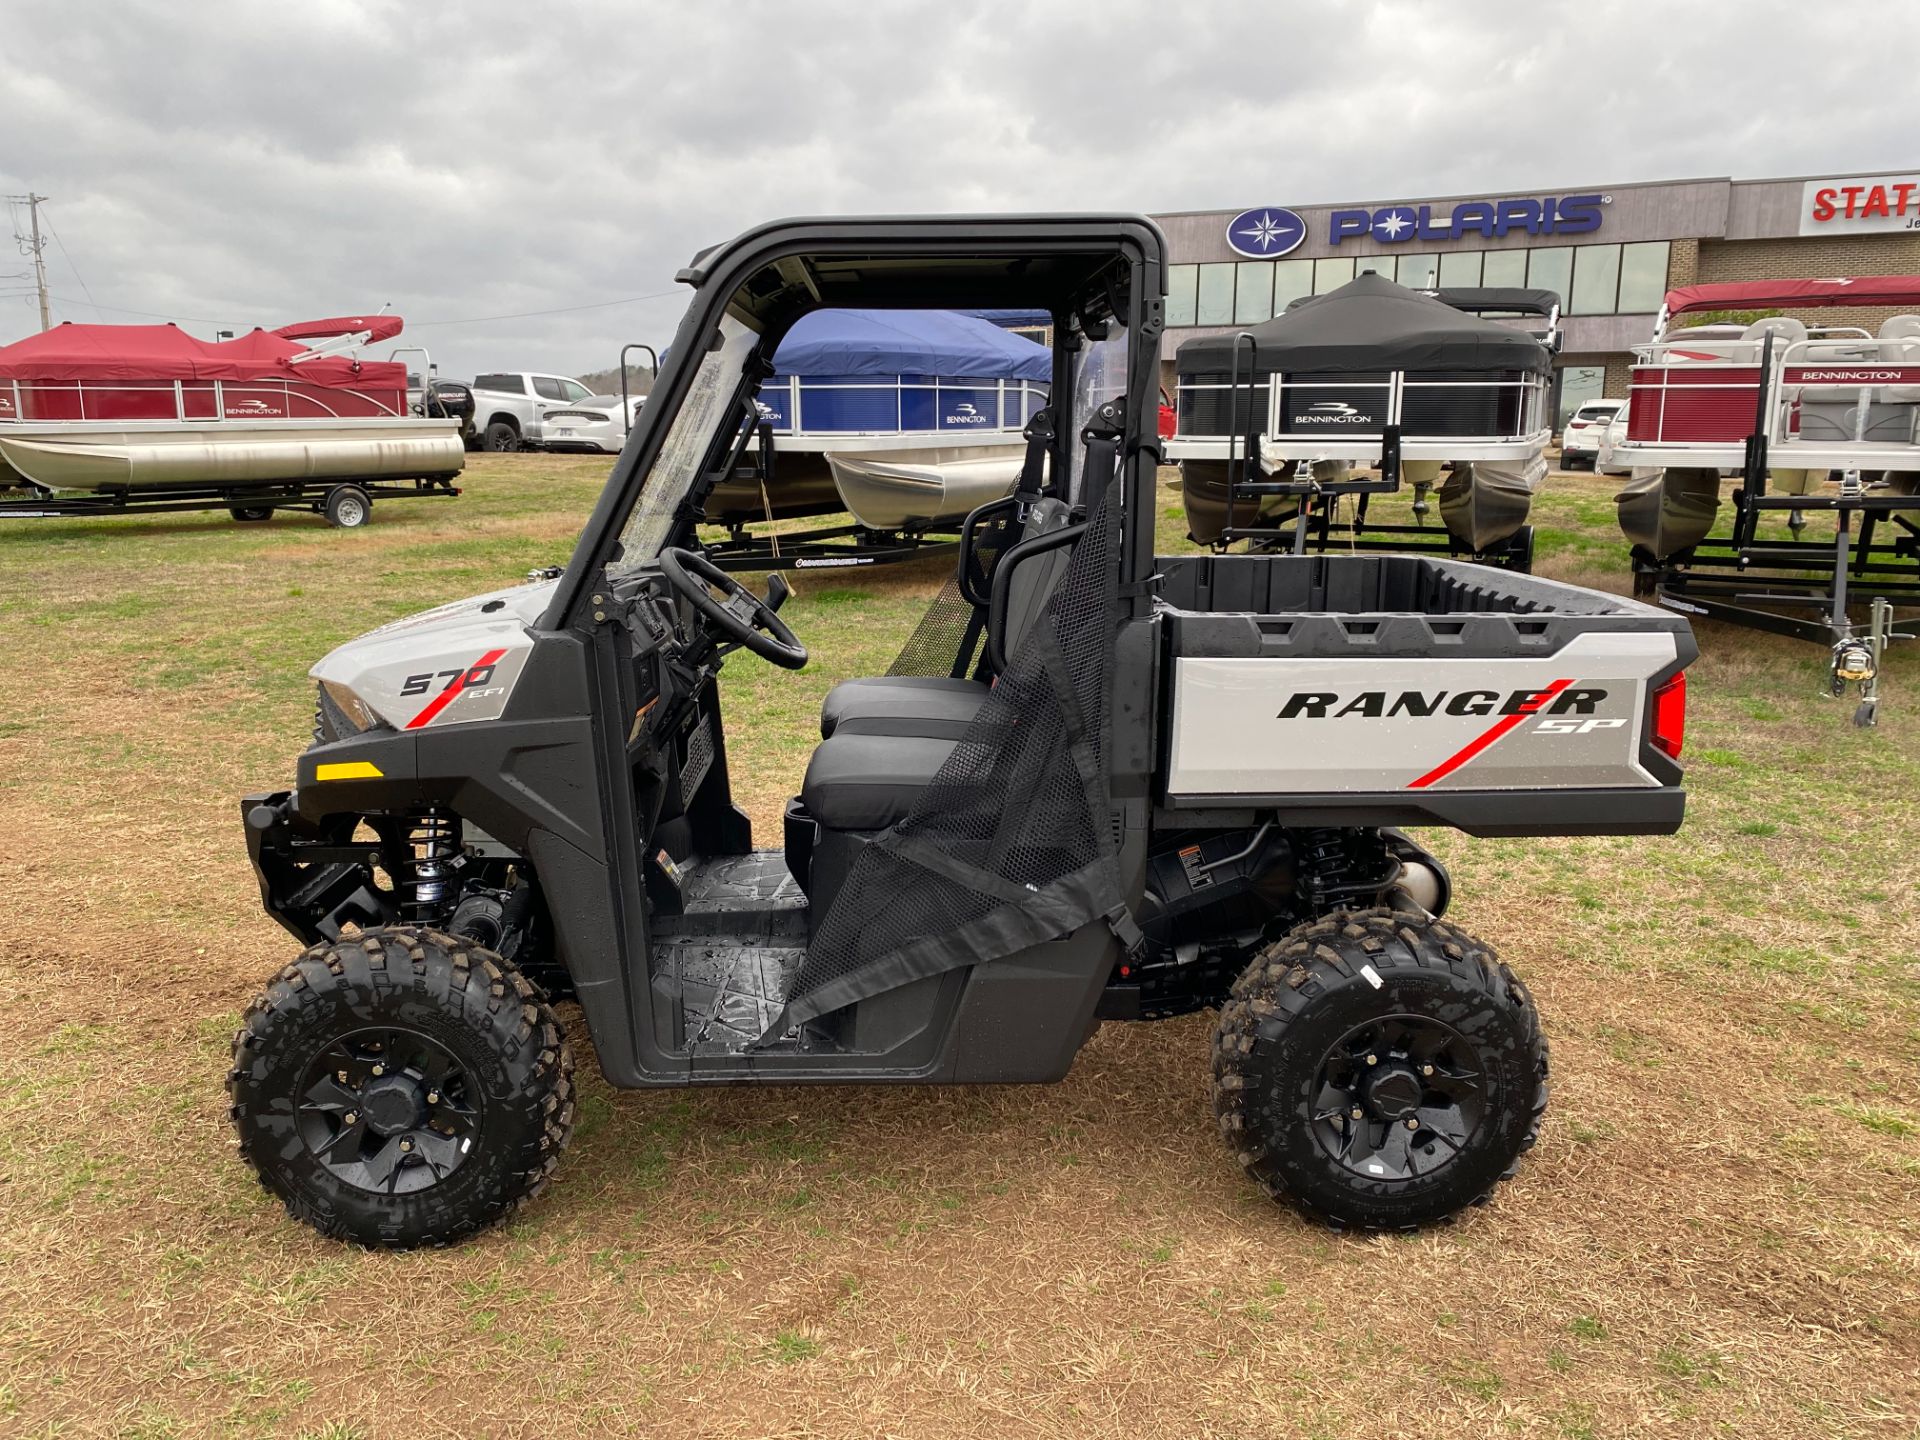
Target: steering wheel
(742, 616)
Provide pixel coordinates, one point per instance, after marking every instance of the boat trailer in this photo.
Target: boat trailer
(345, 504)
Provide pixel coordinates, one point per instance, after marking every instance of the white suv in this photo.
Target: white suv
(1580, 444)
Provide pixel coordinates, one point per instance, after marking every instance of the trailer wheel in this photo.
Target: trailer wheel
(347, 507)
(401, 1087)
(250, 514)
(501, 436)
(1378, 1071)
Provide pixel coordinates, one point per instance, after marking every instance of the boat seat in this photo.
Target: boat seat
(868, 782)
(938, 706)
(1900, 345)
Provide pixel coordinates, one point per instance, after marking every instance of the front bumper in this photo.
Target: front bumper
(314, 879)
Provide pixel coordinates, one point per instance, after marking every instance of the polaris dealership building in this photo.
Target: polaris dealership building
(1610, 251)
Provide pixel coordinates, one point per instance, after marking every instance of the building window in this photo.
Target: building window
(1596, 279)
(1460, 269)
(1292, 280)
(1551, 270)
(1643, 277)
(1215, 306)
(1181, 280)
(1253, 293)
(1505, 268)
(1419, 272)
(1578, 385)
(1589, 279)
(1331, 275)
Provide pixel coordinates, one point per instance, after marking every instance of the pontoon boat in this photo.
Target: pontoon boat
(132, 408)
(1811, 418)
(1274, 421)
(907, 419)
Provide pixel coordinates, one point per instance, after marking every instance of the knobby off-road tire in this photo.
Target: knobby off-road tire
(1399, 1020)
(401, 1087)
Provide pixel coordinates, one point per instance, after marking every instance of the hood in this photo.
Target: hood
(452, 665)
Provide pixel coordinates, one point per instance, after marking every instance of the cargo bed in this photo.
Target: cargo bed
(1404, 690)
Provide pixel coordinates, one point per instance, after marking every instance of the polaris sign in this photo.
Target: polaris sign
(1489, 219)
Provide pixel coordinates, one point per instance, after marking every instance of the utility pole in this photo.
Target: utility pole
(32, 245)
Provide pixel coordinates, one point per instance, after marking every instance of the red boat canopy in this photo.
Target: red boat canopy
(1797, 294)
(381, 327)
(165, 352)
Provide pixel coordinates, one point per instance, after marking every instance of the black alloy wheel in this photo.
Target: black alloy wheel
(388, 1110)
(1379, 1070)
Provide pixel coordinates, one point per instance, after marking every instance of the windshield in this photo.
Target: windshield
(1099, 375)
(678, 462)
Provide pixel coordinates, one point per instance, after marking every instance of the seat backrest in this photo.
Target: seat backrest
(1031, 577)
(1901, 327)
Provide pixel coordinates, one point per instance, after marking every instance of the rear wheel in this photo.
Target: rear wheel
(502, 436)
(1378, 1071)
(347, 507)
(402, 1087)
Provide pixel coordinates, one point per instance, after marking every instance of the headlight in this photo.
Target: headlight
(350, 705)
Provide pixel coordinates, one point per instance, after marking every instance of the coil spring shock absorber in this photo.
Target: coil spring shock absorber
(1342, 866)
(429, 885)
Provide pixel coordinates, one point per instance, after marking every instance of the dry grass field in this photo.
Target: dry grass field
(1719, 1233)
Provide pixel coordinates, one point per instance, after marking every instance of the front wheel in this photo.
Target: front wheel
(401, 1087)
(250, 514)
(1378, 1071)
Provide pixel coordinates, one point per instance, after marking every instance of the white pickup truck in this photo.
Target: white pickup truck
(509, 407)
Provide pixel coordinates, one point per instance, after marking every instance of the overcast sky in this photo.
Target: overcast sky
(256, 164)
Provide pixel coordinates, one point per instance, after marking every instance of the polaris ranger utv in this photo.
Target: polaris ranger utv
(1097, 786)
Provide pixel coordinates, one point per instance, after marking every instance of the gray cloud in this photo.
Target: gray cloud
(258, 164)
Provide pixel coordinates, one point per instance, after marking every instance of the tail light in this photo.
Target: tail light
(1670, 716)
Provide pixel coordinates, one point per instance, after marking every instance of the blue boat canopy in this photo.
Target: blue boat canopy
(907, 342)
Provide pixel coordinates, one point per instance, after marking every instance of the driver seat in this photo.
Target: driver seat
(886, 738)
(939, 706)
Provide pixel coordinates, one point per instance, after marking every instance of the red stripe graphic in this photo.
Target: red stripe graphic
(1454, 762)
(446, 696)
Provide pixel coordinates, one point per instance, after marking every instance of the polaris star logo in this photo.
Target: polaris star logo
(1332, 412)
(1266, 233)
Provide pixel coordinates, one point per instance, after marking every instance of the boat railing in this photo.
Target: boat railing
(1839, 385)
(801, 408)
(1364, 410)
(195, 402)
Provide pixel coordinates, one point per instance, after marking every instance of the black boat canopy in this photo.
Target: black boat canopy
(1371, 324)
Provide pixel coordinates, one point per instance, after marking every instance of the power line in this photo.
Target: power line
(147, 314)
(530, 314)
(55, 232)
